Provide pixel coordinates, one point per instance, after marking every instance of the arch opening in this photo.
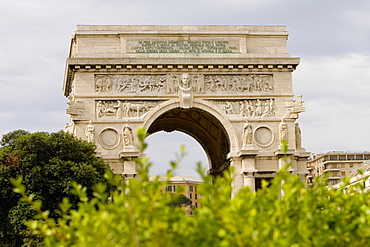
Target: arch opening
(204, 128)
(164, 147)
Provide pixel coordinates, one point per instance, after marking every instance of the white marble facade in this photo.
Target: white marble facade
(230, 87)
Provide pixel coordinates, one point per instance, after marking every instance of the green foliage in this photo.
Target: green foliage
(180, 201)
(48, 164)
(138, 213)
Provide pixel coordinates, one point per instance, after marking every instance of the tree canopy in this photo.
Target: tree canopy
(49, 164)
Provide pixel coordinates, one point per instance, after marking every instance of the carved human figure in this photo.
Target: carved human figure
(198, 83)
(272, 107)
(185, 92)
(241, 108)
(298, 136)
(161, 83)
(247, 134)
(283, 131)
(128, 138)
(229, 108)
(258, 109)
(266, 110)
(90, 132)
(103, 84)
(212, 84)
(250, 109)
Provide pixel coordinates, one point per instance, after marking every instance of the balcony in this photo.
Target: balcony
(332, 170)
(333, 178)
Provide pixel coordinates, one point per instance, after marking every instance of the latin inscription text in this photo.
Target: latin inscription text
(166, 46)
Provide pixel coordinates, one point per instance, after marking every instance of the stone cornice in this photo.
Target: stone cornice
(181, 29)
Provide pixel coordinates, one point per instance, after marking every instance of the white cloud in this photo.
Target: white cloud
(336, 91)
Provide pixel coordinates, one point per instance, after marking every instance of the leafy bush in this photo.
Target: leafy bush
(137, 213)
(48, 163)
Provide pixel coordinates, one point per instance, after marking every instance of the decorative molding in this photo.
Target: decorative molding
(263, 136)
(109, 138)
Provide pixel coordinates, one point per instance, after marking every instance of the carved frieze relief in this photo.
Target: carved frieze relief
(169, 83)
(130, 83)
(251, 108)
(238, 83)
(117, 109)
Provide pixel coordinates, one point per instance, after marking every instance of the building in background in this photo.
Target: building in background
(190, 184)
(336, 164)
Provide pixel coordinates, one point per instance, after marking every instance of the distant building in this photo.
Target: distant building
(189, 183)
(336, 163)
(362, 177)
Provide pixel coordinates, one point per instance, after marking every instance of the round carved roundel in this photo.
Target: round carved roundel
(263, 136)
(109, 138)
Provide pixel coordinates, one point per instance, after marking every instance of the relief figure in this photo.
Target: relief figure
(128, 137)
(185, 92)
(238, 83)
(283, 131)
(252, 108)
(90, 132)
(247, 134)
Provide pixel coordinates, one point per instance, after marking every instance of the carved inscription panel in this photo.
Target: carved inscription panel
(169, 83)
(252, 108)
(183, 46)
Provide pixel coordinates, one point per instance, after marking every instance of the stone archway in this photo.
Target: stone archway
(204, 128)
(229, 87)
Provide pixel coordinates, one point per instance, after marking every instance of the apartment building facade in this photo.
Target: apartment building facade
(334, 164)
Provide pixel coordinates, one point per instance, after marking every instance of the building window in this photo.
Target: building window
(169, 188)
(335, 174)
(195, 196)
(196, 204)
(191, 188)
(351, 165)
(343, 173)
(191, 196)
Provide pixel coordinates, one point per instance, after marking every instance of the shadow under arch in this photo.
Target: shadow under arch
(199, 124)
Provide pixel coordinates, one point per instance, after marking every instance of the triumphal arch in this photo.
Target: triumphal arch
(229, 87)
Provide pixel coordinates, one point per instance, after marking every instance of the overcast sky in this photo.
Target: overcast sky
(332, 38)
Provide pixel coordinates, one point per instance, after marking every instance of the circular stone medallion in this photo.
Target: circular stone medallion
(109, 138)
(263, 136)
